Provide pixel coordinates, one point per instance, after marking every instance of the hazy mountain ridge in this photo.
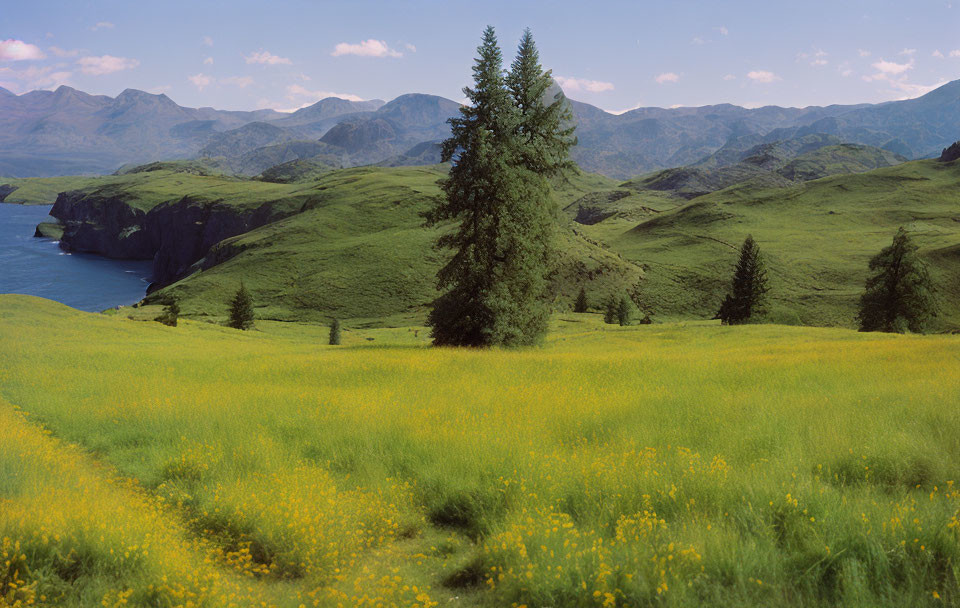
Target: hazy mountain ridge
(52, 132)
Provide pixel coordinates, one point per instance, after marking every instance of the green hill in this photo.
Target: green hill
(359, 250)
(818, 237)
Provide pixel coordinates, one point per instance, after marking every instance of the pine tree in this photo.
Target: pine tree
(546, 126)
(749, 287)
(899, 296)
(335, 333)
(582, 304)
(496, 284)
(241, 309)
(624, 311)
(610, 312)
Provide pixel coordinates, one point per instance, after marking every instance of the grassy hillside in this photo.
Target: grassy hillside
(817, 236)
(647, 466)
(44, 190)
(359, 250)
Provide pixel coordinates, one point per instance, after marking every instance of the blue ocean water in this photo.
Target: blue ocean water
(38, 267)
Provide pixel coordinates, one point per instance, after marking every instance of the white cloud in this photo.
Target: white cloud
(267, 58)
(102, 25)
(762, 76)
(698, 40)
(582, 84)
(908, 52)
(723, 30)
(410, 47)
(729, 77)
(32, 78)
(200, 80)
(667, 77)
(160, 89)
(937, 54)
(367, 48)
(105, 64)
(18, 50)
(863, 53)
(207, 41)
(890, 68)
(240, 81)
(955, 53)
(59, 52)
(208, 61)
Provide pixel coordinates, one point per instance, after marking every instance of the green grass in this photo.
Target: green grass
(665, 465)
(44, 190)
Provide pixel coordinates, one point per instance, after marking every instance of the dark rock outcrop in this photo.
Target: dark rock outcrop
(949, 154)
(175, 235)
(5, 191)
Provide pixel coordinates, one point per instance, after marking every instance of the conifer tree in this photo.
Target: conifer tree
(335, 333)
(610, 312)
(899, 296)
(749, 287)
(241, 309)
(581, 304)
(624, 312)
(496, 284)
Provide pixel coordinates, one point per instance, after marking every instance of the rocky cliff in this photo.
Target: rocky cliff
(174, 235)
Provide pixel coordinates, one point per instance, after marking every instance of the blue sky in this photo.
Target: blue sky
(617, 55)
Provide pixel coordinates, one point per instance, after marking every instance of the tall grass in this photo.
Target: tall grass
(660, 465)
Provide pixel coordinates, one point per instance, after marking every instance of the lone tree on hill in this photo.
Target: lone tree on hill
(171, 312)
(241, 309)
(503, 146)
(335, 333)
(899, 296)
(749, 287)
(582, 304)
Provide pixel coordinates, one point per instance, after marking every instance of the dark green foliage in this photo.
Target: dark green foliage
(171, 312)
(646, 320)
(899, 296)
(241, 309)
(497, 292)
(610, 312)
(749, 286)
(582, 304)
(335, 332)
(624, 311)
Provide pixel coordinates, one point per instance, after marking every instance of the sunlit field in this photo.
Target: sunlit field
(664, 465)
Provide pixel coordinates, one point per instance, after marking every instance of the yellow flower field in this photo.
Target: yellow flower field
(664, 465)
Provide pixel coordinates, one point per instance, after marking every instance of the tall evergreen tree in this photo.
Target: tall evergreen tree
(581, 304)
(241, 309)
(546, 126)
(899, 296)
(335, 333)
(749, 287)
(496, 282)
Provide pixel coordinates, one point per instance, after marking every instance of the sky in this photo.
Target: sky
(617, 55)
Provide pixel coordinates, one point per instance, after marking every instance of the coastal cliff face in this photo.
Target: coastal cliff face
(174, 235)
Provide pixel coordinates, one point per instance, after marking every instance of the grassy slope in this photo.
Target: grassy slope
(360, 251)
(817, 237)
(796, 466)
(44, 190)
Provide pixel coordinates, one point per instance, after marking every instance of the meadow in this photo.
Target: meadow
(674, 464)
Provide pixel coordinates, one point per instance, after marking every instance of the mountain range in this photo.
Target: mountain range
(66, 131)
